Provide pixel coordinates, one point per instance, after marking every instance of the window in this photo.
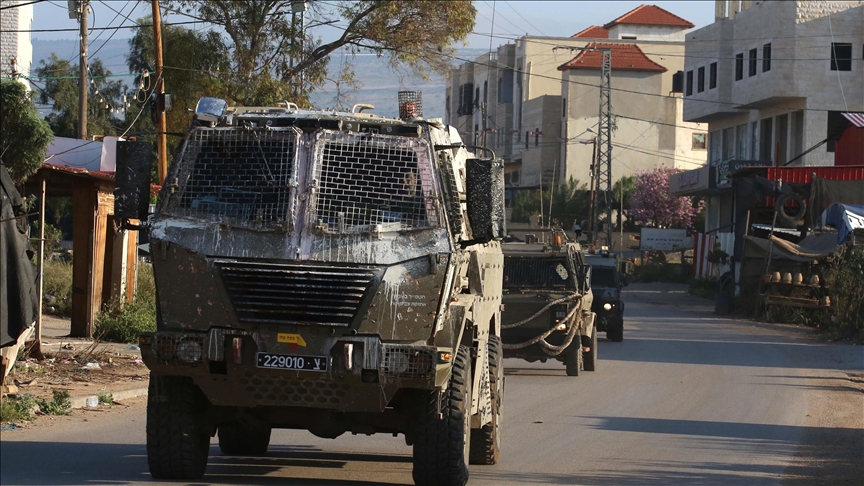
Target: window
(699, 141)
(714, 146)
(766, 58)
(628, 37)
(841, 56)
(564, 107)
(765, 146)
(754, 53)
(728, 143)
(477, 98)
(741, 142)
(739, 67)
(689, 88)
(486, 91)
(712, 76)
(526, 138)
(754, 141)
(701, 79)
(537, 137)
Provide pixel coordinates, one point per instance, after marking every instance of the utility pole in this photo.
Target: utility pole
(159, 92)
(603, 167)
(83, 82)
(592, 175)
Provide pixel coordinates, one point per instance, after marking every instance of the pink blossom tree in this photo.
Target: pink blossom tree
(651, 204)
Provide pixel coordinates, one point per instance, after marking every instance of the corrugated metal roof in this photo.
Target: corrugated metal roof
(857, 119)
(802, 175)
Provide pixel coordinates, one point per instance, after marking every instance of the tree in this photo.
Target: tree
(623, 188)
(273, 58)
(61, 89)
(570, 202)
(651, 204)
(193, 60)
(24, 137)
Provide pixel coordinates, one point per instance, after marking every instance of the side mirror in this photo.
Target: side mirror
(585, 284)
(210, 109)
(484, 190)
(132, 180)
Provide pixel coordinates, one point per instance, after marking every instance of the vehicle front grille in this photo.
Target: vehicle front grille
(290, 293)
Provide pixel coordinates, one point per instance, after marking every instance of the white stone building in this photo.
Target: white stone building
(16, 48)
(772, 77)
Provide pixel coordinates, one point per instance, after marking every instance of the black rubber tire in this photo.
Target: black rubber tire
(780, 207)
(177, 442)
(441, 444)
(573, 358)
(238, 439)
(590, 358)
(486, 441)
(615, 330)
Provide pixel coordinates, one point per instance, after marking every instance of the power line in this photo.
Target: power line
(101, 28)
(21, 5)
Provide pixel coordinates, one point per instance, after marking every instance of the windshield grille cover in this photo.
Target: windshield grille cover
(238, 176)
(291, 293)
(537, 273)
(368, 182)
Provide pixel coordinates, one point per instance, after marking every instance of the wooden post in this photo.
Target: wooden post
(159, 90)
(36, 349)
(83, 213)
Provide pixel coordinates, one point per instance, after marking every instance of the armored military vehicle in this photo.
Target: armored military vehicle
(607, 281)
(329, 271)
(547, 304)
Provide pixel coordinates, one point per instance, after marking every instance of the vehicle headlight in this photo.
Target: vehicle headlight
(607, 306)
(189, 351)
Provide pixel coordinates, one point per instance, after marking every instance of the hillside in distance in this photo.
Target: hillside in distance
(377, 83)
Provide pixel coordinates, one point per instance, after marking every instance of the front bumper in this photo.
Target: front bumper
(363, 373)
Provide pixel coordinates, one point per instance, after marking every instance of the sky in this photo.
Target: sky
(513, 18)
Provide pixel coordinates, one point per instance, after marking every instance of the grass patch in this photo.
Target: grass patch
(58, 284)
(17, 408)
(124, 323)
(58, 405)
(106, 399)
(704, 287)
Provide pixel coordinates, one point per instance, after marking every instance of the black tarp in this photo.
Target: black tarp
(18, 293)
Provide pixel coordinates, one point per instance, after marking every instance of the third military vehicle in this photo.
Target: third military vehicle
(606, 282)
(328, 271)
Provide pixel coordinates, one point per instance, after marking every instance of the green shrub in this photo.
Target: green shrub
(58, 283)
(58, 405)
(124, 323)
(705, 287)
(847, 284)
(107, 399)
(17, 408)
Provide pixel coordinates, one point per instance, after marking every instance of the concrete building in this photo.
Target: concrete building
(16, 49)
(541, 109)
(772, 79)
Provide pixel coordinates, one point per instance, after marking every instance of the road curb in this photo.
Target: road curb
(81, 402)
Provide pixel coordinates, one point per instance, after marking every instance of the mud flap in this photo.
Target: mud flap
(588, 325)
(482, 415)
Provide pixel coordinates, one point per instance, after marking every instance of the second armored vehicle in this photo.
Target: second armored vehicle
(547, 304)
(607, 281)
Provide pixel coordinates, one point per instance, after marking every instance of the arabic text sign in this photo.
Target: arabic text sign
(665, 239)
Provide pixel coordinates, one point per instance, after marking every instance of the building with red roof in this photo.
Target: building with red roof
(533, 101)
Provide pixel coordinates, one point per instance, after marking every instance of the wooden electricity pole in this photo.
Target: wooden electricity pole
(83, 83)
(159, 93)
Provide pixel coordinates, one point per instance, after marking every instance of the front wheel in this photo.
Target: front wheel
(615, 330)
(177, 440)
(443, 436)
(573, 358)
(590, 358)
(486, 441)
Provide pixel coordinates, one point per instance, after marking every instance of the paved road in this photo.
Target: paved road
(687, 398)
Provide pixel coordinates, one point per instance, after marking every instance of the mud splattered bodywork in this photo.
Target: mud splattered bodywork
(338, 246)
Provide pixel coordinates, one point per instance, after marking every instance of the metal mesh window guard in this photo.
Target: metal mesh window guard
(372, 183)
(536, 273)
(237, 175)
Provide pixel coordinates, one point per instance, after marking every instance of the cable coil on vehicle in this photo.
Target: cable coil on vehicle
(550, 349)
